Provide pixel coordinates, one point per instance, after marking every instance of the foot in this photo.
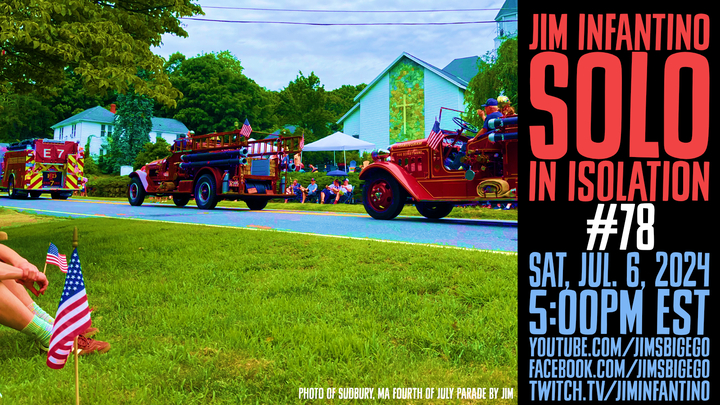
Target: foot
(88, 346)
(42, 346)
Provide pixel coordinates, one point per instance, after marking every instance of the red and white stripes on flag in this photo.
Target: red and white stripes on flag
(246, 129)
(73, 315)
(435, 136)
(302, 142)
(54, 257)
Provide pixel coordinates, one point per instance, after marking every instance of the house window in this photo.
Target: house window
(61, 133)
(74, 129)
(106, 130)
(356, 136)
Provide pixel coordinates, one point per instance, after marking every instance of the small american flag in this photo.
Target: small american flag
(302, 142)
(73, 315)
(246, 129)
(54, 257)
(435, 136)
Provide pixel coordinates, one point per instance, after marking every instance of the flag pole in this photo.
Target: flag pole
(77, 373)
(45, 268)
(75, 342)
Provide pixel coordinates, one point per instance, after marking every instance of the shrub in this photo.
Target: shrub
(115, 186)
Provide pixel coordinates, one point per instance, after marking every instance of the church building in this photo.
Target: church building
(403, 101)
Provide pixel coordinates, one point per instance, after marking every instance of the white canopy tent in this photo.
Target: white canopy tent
(338, 141)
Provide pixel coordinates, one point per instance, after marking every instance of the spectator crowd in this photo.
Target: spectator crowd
(333, 193)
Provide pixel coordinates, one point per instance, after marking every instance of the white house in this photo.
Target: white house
(507, 22)
(404, 100)
(96, 124)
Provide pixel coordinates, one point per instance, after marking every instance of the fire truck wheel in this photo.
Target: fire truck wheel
(383, 197)
(434, 210)
(205, 195)
(256, 205)
(12, 192)
(181, 200)
(136, 192)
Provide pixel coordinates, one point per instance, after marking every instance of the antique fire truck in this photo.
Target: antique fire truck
(214, 167)
(460, 170)
(36, 166)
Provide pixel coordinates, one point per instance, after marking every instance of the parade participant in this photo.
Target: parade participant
(504, 105)
(490, 112)
(18, 310)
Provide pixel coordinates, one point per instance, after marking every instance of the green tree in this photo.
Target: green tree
(216, 94)
(106, 42)
(340, 101)
(303, 103)
(24, 117)
(133, 122)
(152, 151)
(495, 76)
(90, 167)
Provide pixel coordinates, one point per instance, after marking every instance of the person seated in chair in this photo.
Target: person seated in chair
(311, 192)
(297, 189)
(346, 190)
(331, 193)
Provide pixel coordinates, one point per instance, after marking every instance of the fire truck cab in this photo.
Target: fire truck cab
(462, 169)
(36, 166)
(215, 167)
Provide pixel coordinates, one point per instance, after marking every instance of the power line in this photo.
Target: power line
(353, 24)
(350, 11)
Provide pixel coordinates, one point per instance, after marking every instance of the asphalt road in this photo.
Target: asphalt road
(463, 233)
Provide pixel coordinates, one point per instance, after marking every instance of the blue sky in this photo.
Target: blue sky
(273, 54)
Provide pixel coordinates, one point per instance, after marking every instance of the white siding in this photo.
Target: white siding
(440, 93)
(351, 125)
(375, 114)
(169, 137)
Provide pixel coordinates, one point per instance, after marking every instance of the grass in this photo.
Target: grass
(213, 315)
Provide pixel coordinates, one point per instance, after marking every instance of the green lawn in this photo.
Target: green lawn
(212, 315)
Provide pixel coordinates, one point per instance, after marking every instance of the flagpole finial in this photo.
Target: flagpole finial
(75, 238)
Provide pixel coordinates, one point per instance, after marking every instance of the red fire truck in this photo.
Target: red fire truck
(36, 166)
(214, 167)
(460, 170)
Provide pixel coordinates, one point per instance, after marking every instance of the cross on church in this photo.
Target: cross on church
(404, 105)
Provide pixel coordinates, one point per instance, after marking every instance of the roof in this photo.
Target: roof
(445, 75)
(463, 68)
(95, 114)
(290, 128)
(168, 125)
(103, 116)
(348, 113)
(508, 9)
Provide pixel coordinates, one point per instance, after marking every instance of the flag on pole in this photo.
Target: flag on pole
(302, 141)
(54, 257)
(73, 315)
(435, 137)
(246, 129)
